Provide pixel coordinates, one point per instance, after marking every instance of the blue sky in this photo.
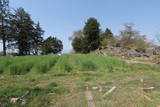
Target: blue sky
(61, 17)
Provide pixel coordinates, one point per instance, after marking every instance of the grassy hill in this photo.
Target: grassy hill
(53, 63)
(61, 81)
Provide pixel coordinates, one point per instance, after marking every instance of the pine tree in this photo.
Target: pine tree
(23, 31)
(108, 34)
(37, 39)
(4, 16)
(91, 32)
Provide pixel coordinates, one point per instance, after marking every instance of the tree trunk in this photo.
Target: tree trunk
(3, 38)
(4, 46)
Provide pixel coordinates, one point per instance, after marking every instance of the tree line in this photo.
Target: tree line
(20, 33)
(91, 37)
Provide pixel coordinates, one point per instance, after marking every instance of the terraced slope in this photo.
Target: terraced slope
(61, 81)
(54, 63)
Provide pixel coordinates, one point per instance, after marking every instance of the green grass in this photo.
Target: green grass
(68, 63)
(34, 93)
(24, 65)
(61, 81)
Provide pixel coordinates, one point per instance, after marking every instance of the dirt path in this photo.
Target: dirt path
(89, 98)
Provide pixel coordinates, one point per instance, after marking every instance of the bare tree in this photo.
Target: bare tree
(78, 33)
(132, 38)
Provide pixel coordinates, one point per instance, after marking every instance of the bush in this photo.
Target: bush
(53, 84)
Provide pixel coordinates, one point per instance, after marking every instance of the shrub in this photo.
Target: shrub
(53, 84)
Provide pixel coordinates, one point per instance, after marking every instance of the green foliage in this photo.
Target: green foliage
(80, 45)
(4, 23)
(23, 31)
(107, 38)
(52, 45)
(53, 84)
(109, 42)
(36, 43)
(91, 31)
(24, 35)
(88, 39)
(107, 34)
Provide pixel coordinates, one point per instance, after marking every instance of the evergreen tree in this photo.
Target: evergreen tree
(91, 32)
(108, 34)
(107, 38)
(4, 18)
(37, 39)
(23, 31)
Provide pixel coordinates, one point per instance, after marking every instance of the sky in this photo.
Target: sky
(61, 18)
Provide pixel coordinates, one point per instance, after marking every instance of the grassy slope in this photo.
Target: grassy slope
(62, 80)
